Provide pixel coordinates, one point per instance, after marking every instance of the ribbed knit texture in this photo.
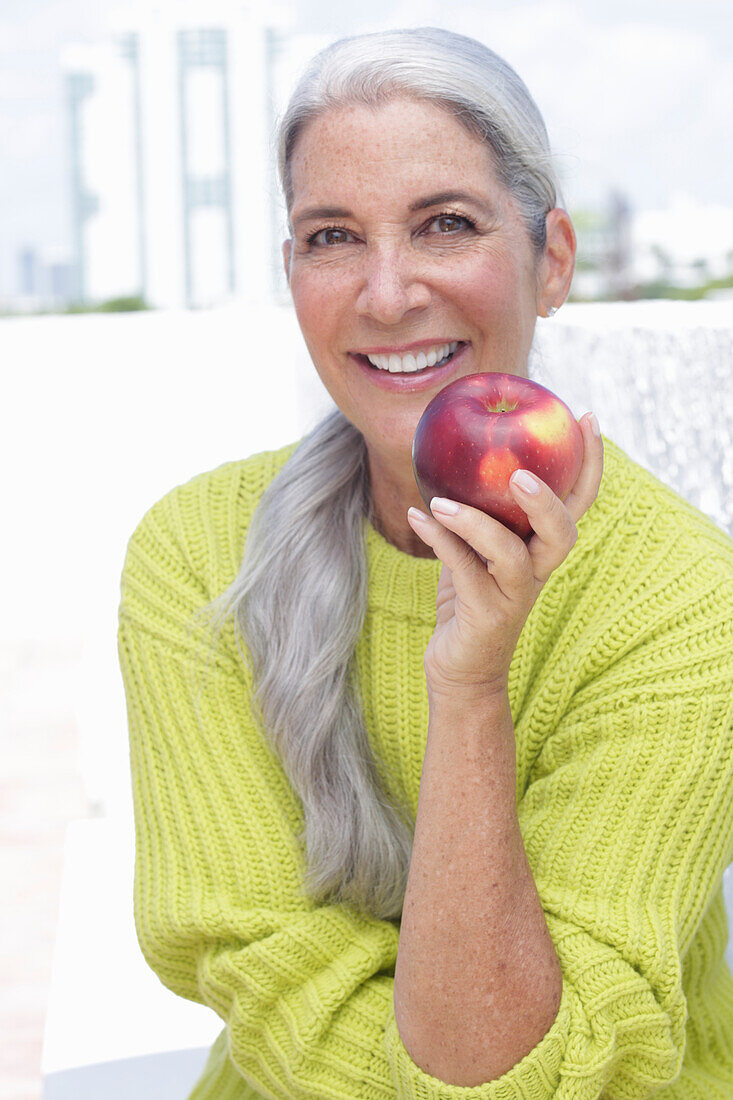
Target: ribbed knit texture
(621, 695)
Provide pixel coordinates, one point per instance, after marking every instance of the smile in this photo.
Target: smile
(417, 379)
(438, 355)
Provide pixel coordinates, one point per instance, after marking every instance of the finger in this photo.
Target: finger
(555, 533)
(588, 482)
(468, 572)
(471, 544)
(553, 520)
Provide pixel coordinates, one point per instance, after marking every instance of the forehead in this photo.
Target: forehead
(387, 150)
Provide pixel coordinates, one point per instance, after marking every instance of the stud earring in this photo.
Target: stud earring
(552, 311)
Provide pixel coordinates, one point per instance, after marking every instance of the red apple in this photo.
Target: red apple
(479, 429)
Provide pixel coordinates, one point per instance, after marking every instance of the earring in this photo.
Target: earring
(552, 310)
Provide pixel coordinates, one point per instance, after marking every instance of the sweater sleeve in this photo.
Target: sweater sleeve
(626, 821)
(305, 991)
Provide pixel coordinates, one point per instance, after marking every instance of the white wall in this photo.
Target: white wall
(101, 416)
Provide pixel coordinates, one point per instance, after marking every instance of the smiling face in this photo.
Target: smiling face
(404, 238)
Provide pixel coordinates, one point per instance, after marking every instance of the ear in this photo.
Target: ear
(287, 246)
(558, 263)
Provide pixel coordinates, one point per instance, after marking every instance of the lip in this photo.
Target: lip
(402, 349)
(409, 382)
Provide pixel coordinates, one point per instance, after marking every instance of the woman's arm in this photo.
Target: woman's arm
(477, 979)
(478, 983)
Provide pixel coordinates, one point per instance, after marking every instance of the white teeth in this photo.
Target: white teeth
(406, 364)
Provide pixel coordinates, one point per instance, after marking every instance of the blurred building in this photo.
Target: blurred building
(605, 261)
(28, 281)
(627, 254)
(173, 166)
(44, 279)
(687, 244)
(106, 211)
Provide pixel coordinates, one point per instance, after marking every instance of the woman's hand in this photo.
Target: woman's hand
(491, 578)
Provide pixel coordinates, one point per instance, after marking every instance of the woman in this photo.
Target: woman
(452, 820)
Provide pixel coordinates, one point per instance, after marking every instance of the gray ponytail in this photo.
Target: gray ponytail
(300, 597)
(299, 602)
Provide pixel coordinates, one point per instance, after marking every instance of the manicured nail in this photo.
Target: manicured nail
(525, 481)
(444, 506)
(417, 515)
(593, 421)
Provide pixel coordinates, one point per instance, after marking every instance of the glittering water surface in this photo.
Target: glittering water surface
(665, 396)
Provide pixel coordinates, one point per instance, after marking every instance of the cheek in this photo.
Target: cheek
(312, 308)
(493, 289)
(319, 297)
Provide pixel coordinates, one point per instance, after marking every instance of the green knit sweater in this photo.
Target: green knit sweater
(621, 695)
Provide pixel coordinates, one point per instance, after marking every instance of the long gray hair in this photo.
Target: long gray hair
(300, 596)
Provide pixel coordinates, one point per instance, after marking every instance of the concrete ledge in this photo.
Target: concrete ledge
(167, 1076)
(110, 1018)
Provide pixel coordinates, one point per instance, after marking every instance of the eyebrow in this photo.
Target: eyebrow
(437, 199)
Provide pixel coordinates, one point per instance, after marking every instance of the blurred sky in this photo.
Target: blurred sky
(636, 94)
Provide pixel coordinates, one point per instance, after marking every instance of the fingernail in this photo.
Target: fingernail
(417, 515)
(593, 421)
(525, 481)
(447, 507)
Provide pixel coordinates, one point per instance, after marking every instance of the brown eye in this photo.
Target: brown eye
(328, 236)
(450, 223)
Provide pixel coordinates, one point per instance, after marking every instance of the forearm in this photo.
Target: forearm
(477, 980)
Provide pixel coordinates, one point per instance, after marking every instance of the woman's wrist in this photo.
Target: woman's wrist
(478, 697)
(474, 726)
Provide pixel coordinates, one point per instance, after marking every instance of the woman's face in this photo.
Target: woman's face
(404, 241)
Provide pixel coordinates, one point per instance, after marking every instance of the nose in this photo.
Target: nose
(391, 285)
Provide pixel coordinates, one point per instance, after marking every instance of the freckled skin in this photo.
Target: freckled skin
(389, 276)
(469, 442)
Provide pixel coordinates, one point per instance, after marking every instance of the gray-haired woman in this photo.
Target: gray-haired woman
(444, 813)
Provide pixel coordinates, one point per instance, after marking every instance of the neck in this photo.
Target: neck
(393, 491)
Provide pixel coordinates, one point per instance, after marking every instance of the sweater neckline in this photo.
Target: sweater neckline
(400, 583)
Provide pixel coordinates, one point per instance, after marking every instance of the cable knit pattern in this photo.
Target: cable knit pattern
(620, 691)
